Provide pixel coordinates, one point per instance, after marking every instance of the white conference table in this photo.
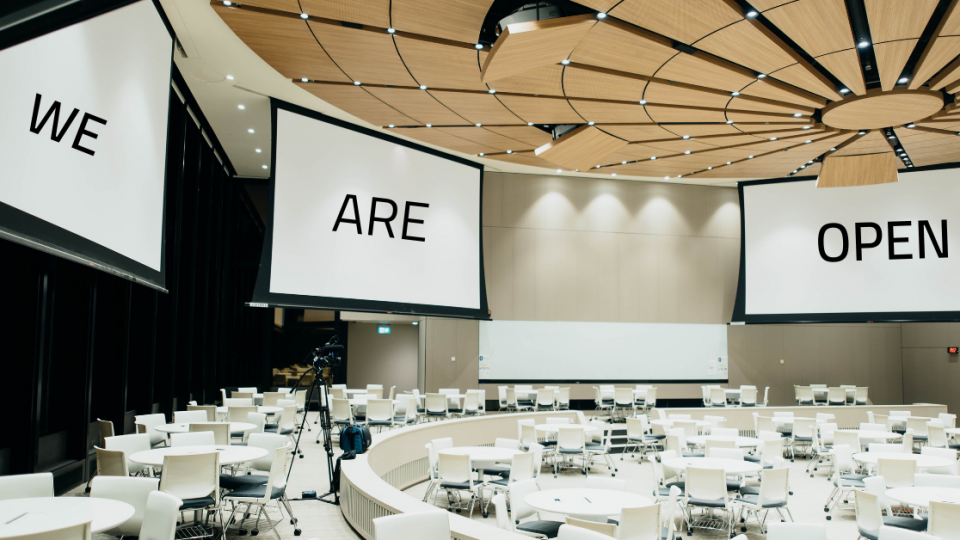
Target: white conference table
(363, 401)
(870, 434)
(740, 442)
(584, 503)
(730, 466)
(921, 496)
(184, 427)
(923, 461)
(262, 409)
(229, 455)
(40, 514)
(555, 428)
(669, 423)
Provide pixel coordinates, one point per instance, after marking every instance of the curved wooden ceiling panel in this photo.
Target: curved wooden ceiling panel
(529, 45)
(589, 83)
(541, 110)
(446, 140)
(742, 103)
(817, 26)
(290, 6)
(524, 134)
(441, 65)
(527, 158)
(769, 88)
(672, 94)
(892, 20)
(892, 56)
(748, 44)
(845, 65)
(927, 148)
(365, 56)
(700, 130)
(637, 132)
(580, 148)
(617, 45)
(702, 69)
(602, 111)
(372, 12)
(359, 103)
(683, 20)
(544, 81)
(872, 143)
(746, 116)
(802, 76)
(457, 20)
(417, 104)
(666, 113)
(486, 137)
(476, 108)
(941, 52)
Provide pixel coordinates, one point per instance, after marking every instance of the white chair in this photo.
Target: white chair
(936, 436)
(843, 484)
(623, 402)
(150, 423)
(948, 420)
(188, 417)
(608, 530)
(805, 395)
(26, 486)
(471, 403)
(774, 492)
(267, 441)
(521, 510)
(221, 431)
(502, 397)
(545, 400)
(896, 533)
(130, 444)
(650, 399)
(133, 491)
(379, 413)
(342, 413)
(261, 495)
(637, 437)
(707, 489)
(766, 396)
(600, 445)
(944, 521)
(77, 531)
(210, 410)
(796, 531)
(408, 404)
(748, 396)
(455, 475)
(920, 429)
(238, 402)
(436, 406)
(563, 398)
(600, 402)
(433, 525)
(199, 438)
(945, 453)
(718, 397)
(860, 395)
(287, 422)
(195, 480)
(111, 462)
(572, 532)
(160, 517)
(870, 517)
(570, 443)
(897, 472)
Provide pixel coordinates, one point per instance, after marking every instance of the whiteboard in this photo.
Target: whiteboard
(513, 351)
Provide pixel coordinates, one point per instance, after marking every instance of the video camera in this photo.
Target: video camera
(327, 355)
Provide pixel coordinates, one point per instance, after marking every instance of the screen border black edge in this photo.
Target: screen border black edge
(61, 242)
(262, 294)
(739, 310)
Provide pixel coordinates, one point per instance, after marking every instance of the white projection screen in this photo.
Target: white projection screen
(572, 352)
(364, 221)
(83, 136)
(866, 253)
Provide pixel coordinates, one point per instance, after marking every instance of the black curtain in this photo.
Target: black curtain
(78, 344)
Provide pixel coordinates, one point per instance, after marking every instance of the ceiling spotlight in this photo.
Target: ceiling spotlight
(482, 154)
(808, 141)
(903, 80)
(250, 130)
(807, 127)
(679, 176)
(304, 16)
(529, 123)
(263, 166)
(478, 46)
(303, 79)
(356, 83)
(687, 152)
(729, 121)
(751, 14)
(653, 157)
(565, 62)
(614, 174)
(761, 75)
(891, 137)
(863, 44)
(749, 157)
(643, 102)
(623, 162)
(559, 170)
(390, 30)
(241, 107)
(509, 151)
(429, 125)
(709, 168)
(601, 15)
(491, 91)
(258, 150)
(227, 3)
(803, 166)
(686, 136)
(598, 166)
(666, 177)
(810, 162)
(911, 125)
(861, 133)
(797, 115)
(590, 123)
(909, 165)
(390, 126)
(734, 94)
(834, 149)
(229, 77)
(844, 90)
(423, 87)
(478, 125)
(773, 138)
(729, 162)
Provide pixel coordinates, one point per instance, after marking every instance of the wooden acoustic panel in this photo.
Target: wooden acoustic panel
(486, 137)
(636, 132)
(845, 65)
(284, 43)
(591, 83)
(541, 110)
(850, 171)
(418, 104)
(764, 5)
(581, 148)
(358, 102)
(457, 20)
(892, 56)
(441, 65)
(525, 134)
(872, 143)
(601, 111)
(708, 71)
(368, 57)
(947, 76)
(522, 46)
(290, 6)
(683, 20)
(747, 44)
(892, 20)
(940, 53)
(368, 12)
(476, 108)
(444, 140)
(926, 148)
(527, 158)
(818, 26)
(673, 94)
(679, 146)
(801, 76)
(542, 81)
(700, 130)
(770, 88)
(742, 103)
(663, 113)
(616, 45)
(746, 116)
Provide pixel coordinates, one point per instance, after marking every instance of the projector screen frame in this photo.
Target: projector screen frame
(15, 224)
(739, 309)
(262, 297)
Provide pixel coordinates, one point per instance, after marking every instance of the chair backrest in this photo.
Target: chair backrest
(600, 482)
(133, 491)
(76, 531)
(106, 430)
(436, 403)
(130, 444)
(949, 420)
(189, 417)
(867, 426)
(442, 444)
(511, 397)
(563, 396)
(765, 423)
(651, 398)
(836, 395)
(849, 438)
(897, 472)
(160, 517)
(623, 397)
(944, 520)
(111, 462)
(718, 397)
(826, 431)
(946, 453)
(377, 392)
(201, 438)
(573, 532)
(338, 393)
(269, 442)
(288, 418)
(519, 508)
(545, 397)
(238, 402)
(471, 401)
(712, 444)
(455, 469)
(150, 423)
(270, 398)
(192, 476)
(689, 427)
(889, 532)
(570, 438)
(503, 515)
(607, 529)
(869, 513)
(936, 436)
(806, 394)
(528, 434)
(795, 531)
(710, 484)
(380, 410)
(341, 410)
(918, 425)
(239, 414)
(221, 431)
(248, 389)
(210, 410)
(431, 525)
(26, 486)
(772, 452)
(521, 466)
(748, 395)
(242, 395)
(774, 485)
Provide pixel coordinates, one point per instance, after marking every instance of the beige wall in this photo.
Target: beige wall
(860, 354)
(387, 359)
(930, 374)
(446, 339)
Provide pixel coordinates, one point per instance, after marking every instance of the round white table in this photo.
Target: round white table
(740, 442)
(952, 430)
(583, 503)
(363, 401)
(262, 409)
(40, 514)
(229, 455)
(482, 453)
(869, 434)
(730, 466)
(555, 428)
(355, 391)
(921, 496)
(669, 423)
(923, 461)
(184, 427)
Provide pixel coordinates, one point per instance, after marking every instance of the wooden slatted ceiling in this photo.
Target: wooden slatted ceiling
(892, 20)
(358, 102)
(770, 88)
(523, 46)
(457, 20)
(581, 148)
(284, 43)
(371, 12)
(290, 6)
(760, 127)
(543, 81)
(525, 134)
(927, 148)
(616, 45)
(705, 70)
(679, 146)
(892, 56)
(658, 168)
(588, 83)
(683, 20)
(524, 159)
(872, 143)
(441, 65)
(636, 151)
(700, 130)
(486, 137)
(845, 65)
(748, 44)
(368, 57)
(818, 26)
(764, 5)
(541, 110)
(942, 51)
(741, 116)
(774, 164)
(445, 140)
(417, 104)
(663, 113)
(637, 132)
(947, 76)
(671, 94)
(742, 103)
(801, 76)
(599, 5)
(852, 171)
(476, 108)
(599, 111)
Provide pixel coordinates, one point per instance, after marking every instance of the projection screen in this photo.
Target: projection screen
(363, 221)
(83, 135)
(866, 253)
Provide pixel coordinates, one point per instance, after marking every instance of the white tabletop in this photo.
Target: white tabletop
(952, 430)
(262, 409)
(923, 461)
(555, 428)
(669, 423)
(363, 401)
(32, 516)
(731, 466)
(184, 427)
(790, 419)
(921, 496)
(585, 503)
(229, 455)
(741, 442)
(482, 453)
(731, 391)
(869, 434)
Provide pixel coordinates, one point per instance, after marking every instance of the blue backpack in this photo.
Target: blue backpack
(355, 438)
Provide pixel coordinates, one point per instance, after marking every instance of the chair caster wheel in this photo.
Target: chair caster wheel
(743, 520)
(486, 514)
(301, 457)
(792, 461)
(689, 533)
(811, 476)
(242, 532)
(86, 490)
(254, 532)
(459, 510)
(829, 518)
(791, 494)
(296, 532)
(613, 474)
(246, 516)
(825, 509)
(743, 529)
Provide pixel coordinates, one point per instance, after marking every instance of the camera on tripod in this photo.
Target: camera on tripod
(328, 355)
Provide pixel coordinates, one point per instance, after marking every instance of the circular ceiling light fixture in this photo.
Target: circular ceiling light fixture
(903, 80)
(304, 16)
(601, 15)
(478, 46)
(565, 62)
(423, 87)
(390, 126)
(863, 44)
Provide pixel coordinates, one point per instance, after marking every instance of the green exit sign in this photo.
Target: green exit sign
(383, 329)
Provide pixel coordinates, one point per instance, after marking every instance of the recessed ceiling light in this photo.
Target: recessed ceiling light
(390, 30)
(482, 154)
(687, 152)
(478, 125)
(576, 170)
(834, 149)
(241, 107)
(807, 127)
(258, 150)
(911, 125)
(729, 162)
(709, 168)
(761, 75)
(794, 171)
(529, 123)
(601, 15)
(686, 136)
(263, 166)
(643, 102)
(429, 125)
(751, 14)
(844, 90)
(679, 176)
(357, 83)
(862, 133)
(734, 94)
(303, 79)
(909, 165)
(903, 80)
(773, 138)
(227, 3)
(749, 157)
(304, 16)
(803, 166)
(666, 177)
(614, 174)
(250, 130)
(808, 141)
(863, 44)
(623, 162)
(390, 126)
(810, 162)
(423, 87)
(891, 137)
(509, 151)
(653, 157)
(598, 166)
(229, 77)
(797, 115)
(559, 170)
(729, 121)
(565, 62)
(478, 46)
(590, 123)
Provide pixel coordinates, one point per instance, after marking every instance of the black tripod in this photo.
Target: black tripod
(324, 356)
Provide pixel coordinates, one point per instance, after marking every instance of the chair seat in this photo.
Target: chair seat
(236, 434)
(268, 427)
(917, 525)
(237, 482)
(570, 450)
(454, 410)
(665, 491)
(435, 413)
(752, 499)
(692, 454)
(455, 485)
(748, 404)
(733, 485)
(747, 491)
(421, 410)
(550, 529)
(280, 432)
(254, 492)
(919, 437)
(803, 439)
(752, 459)
(497, 471)
(379, 423)
(850, 483)
(709, 503)
(200, 502)
(401, 419)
